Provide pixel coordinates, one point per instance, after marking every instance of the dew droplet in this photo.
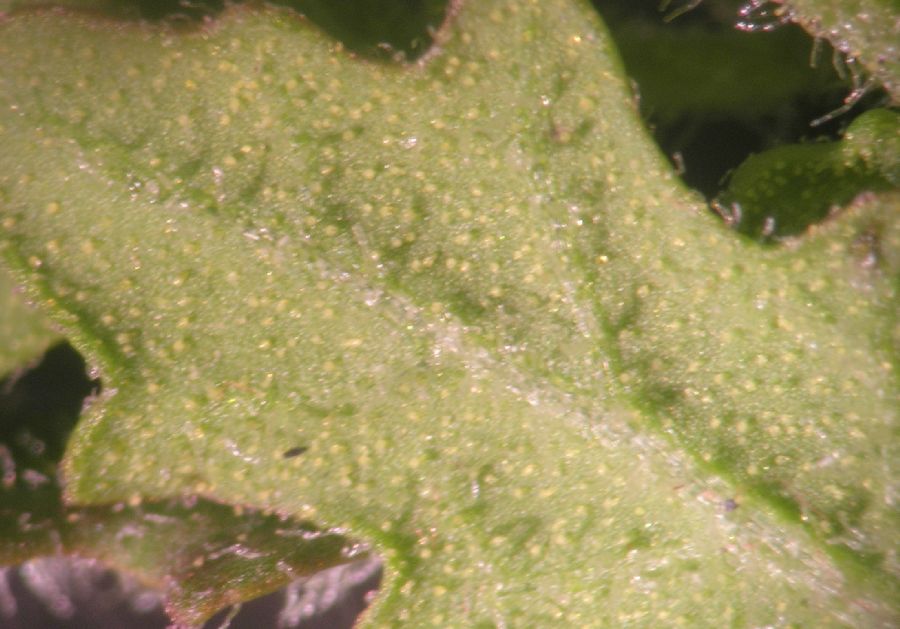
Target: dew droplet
(763, 16)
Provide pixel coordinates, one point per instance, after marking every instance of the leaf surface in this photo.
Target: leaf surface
(780, 192)
(461, 309)
(866, 30)
(24, 334)
(203, 556)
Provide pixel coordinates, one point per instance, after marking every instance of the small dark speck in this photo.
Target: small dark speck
(730, 504)
(106, 580)
(296, 451)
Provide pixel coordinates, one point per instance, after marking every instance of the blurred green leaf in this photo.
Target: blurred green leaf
(781, 192)
(696, 70)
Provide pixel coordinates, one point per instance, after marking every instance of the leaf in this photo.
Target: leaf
(202, 555)
(782, 191)
(378, 28)
(509, 349)
(23, 334)
(865, 30)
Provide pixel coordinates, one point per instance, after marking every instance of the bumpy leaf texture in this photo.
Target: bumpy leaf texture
(868, 31)
(781, 191)
(461, 309)
(25, 336)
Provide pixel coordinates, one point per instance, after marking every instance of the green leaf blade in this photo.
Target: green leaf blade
(472, 294)
(24, 334)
